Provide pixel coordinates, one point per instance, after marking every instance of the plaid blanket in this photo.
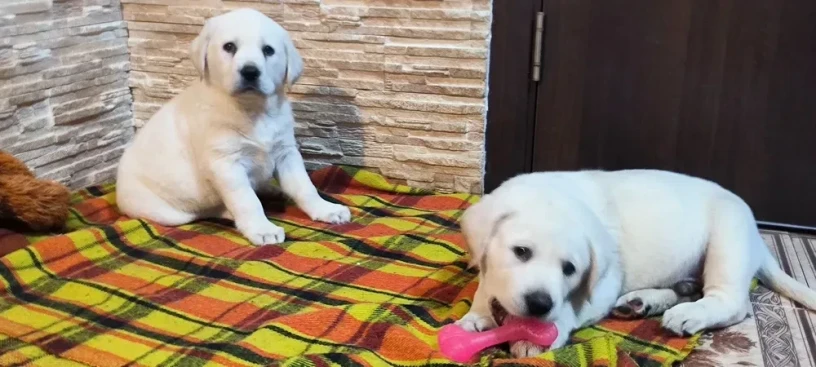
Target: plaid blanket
(117, 291)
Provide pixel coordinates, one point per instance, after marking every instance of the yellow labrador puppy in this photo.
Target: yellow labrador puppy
(568, 247)
(207, 151)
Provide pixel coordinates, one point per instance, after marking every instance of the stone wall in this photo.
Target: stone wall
(65, 106)
(395, 85)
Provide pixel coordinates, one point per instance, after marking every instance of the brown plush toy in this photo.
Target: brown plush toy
(28, 204)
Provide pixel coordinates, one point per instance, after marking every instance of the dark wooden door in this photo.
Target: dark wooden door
(512, 92)
(722, 89)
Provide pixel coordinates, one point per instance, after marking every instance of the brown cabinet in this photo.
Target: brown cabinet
(724, 90)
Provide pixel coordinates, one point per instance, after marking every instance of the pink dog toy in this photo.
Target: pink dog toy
(461, 346)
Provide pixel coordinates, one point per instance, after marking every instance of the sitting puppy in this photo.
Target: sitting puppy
(568, 247)
(207, 151)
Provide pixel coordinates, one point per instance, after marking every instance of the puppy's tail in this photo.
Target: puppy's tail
(775, 278)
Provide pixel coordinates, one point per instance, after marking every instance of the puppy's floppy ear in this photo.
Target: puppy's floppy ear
(198, 49)
(479, 224)
(601, 249)
(294, 63)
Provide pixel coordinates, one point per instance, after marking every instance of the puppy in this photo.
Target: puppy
(568, 247)
(207, 151)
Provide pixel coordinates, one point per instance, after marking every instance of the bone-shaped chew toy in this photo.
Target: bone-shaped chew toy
(461, 346)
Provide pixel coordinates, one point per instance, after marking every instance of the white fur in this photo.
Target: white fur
(206, 152)
(629, 234)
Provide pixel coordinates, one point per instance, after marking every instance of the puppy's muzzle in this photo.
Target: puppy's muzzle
(538, 303)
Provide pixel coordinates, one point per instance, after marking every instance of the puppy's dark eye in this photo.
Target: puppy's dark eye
(230, 47)
(568, 268)
(522, 253)
(268, 51)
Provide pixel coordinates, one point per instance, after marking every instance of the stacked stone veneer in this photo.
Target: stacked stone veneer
(65, 106)
(396, 85)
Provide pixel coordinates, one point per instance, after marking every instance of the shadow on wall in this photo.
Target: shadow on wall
(328, 126)
(398, 87)
(65, 105)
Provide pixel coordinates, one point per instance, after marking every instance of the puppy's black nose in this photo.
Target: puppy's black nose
(538, 303)
(250, 73)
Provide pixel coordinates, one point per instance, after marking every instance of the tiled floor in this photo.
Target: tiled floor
(779, 334)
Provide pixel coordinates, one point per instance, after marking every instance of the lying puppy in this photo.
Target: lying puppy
(207, 151)
(568, 247)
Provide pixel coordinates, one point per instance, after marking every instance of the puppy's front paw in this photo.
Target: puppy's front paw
(525, 349)
(475, 322)
(631, 306)
(330, 213)
(686, 319)
(262, 233)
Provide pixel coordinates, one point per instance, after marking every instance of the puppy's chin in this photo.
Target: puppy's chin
(250, 90)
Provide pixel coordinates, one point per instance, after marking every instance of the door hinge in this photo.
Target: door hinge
(539, 34)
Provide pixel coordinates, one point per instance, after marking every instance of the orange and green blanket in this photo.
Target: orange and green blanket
(116, 291)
